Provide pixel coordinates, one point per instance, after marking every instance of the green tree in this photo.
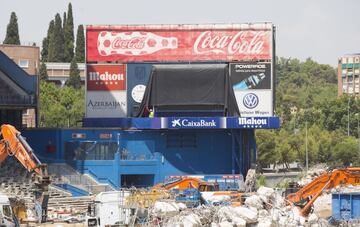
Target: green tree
(56, 42)
(60, 107)
(44, 49)
(12, 31)
(64, 20)
(43, 72)
(69, 35)
(284, 153)
(347, 151)
(45, 42)
(266, 152)
(74, 77)
(80, 45)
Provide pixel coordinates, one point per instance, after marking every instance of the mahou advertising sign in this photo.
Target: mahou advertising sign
(106, 77)
(179, 42)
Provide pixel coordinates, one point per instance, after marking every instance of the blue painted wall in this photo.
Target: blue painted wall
(136, 74)
(147, 152)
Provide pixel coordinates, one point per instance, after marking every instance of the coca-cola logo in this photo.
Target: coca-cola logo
(243, 42)
(132, 43)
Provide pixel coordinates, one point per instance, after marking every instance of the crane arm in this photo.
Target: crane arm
(181, 184)
(307, 195)
(13, 144)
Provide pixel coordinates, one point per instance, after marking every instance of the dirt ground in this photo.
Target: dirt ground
(55, 225)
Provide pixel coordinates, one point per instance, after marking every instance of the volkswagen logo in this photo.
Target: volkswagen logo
(250, 100)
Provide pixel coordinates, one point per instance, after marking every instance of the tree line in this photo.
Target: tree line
(313, 118)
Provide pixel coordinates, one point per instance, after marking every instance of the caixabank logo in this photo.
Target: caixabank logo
(193, 122)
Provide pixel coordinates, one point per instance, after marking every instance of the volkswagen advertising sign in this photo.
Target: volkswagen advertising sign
(252, 84)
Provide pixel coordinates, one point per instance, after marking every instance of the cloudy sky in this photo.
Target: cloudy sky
(322, 29)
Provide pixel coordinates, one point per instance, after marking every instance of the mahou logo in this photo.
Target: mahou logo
(133, 43)
(106, 77)
(243, 42)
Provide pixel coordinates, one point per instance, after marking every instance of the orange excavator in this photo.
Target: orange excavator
(189, 182)
(13, 144)
(207, 189)
(306, 196)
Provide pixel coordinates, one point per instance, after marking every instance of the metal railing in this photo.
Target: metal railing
(126, 155)
(68, 175)
(18, 99)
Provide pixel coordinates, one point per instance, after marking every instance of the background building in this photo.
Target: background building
(348, 75)
(28, 59)
(59, 72)
(18, 94)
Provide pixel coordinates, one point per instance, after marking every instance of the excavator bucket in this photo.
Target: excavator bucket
(43, 180)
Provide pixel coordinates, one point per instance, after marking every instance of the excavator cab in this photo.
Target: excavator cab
(208, 187)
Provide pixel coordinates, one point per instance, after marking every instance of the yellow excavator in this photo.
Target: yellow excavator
(13, 144)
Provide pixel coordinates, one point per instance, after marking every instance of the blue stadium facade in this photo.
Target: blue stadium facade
(144, 151)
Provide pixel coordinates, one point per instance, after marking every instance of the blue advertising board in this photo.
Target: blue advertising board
(253, 122)
(186, 122)
(193, 122)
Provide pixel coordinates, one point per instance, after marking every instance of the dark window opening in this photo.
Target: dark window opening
(90, 150)
(181, 140)
(137, 180)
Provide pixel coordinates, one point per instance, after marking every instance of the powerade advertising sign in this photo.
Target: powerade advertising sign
(193, 122)
(252, 84)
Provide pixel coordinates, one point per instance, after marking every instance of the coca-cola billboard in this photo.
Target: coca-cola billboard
(179, 43)
(105, 77)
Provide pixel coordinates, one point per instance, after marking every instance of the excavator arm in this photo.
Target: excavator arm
(181, 184)
(306, 196)
(13, 144)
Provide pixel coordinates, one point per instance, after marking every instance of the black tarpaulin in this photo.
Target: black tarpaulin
(187, 87)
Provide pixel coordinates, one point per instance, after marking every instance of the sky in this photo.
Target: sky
(321, 29)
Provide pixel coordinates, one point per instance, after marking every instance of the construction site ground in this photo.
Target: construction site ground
(263, 207)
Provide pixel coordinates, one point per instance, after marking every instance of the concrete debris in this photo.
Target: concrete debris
(191, 220)
(212, 199)
(313, 219)
(250, 182)
(162, 208)
(237, 221)
(312, 173)
(254, 201)
(249, 215)
(267, 192)
(266, 222)
(225, 224)
(346, 189)
(322, 205)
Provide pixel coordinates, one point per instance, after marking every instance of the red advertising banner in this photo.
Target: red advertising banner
(179, 42)
(106, 77)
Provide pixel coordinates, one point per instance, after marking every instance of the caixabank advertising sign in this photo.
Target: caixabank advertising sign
(106, 91)
(253, 87)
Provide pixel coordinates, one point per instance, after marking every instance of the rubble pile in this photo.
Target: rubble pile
(265, 208)
(312, 173)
